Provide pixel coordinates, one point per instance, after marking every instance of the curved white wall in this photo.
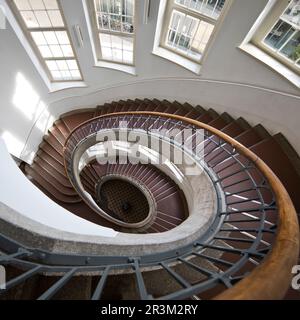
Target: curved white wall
(230, 80)
(19, 194)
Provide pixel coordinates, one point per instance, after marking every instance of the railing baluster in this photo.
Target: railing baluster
(204, 271)
(234, 239)
(217, 260)
(99, 289)
(176, 276)
(140, 281)
(58, 285)
(22, 278)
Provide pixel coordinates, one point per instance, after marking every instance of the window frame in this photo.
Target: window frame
(266, 26)
(27, 32)
(96, 34)
(171, 5)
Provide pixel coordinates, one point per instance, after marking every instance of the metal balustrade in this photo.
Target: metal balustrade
(239, 239)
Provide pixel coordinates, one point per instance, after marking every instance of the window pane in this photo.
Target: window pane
(127, 24)
(56, 75)
(115, 15)
(30, 19)
(117, 55)
(45, 51)
(50, 4)
(62, 65)
(66, 74)
(115, 22)
(127, 43)
(105, 40)
(39, 38)
(56, 51)
(37, 4)
(75, 74)
(64, 69)
(56, 18)
(279, 34)
(210, 8)
(62, 37)
(188, 35)
(292, 14)
(116, 42)
(72, 64)
(107, 53)
(113, 48)
(23, 4)
(67, 51)
(292, 49)
(128, 56)
(52, 65)
(202, 37)
(50, 37)
(43, 19)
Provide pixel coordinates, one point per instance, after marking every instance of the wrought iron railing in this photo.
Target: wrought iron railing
(249, 248)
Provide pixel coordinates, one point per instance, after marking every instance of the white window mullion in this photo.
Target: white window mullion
(215, 7)
(203, 35)
(275, 30)
(193, 38)
(180, 31)
(201, 8)
(285, 43)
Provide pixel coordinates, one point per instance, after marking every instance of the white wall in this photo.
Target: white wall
(230, 80)
(18, 193)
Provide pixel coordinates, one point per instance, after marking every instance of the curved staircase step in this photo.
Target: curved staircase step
(53, 171)
(50, 188)
(73, 120)
(48, 149)
(55, 144)
(270, 151)
(62, 128)
(57, 134)
(53, 162)
(53, 181)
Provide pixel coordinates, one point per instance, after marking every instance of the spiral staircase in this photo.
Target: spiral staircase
(245, 248)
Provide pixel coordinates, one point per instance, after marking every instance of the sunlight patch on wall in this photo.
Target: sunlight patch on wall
(45, 121)
(13, 144)
(26, 99)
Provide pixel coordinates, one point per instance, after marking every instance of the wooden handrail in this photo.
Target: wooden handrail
(272, 278)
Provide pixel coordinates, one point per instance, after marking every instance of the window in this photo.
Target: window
(42, 21)
(190, 25)
(279, 35)
(114, 30)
